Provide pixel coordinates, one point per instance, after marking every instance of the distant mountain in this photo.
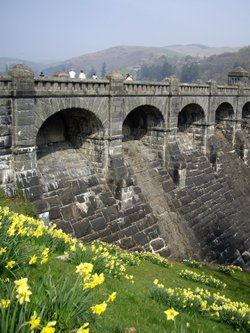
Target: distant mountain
(199, 50)
(116, 58)
(7, 63)
(131, 58)
(217, 67)
(213, 62)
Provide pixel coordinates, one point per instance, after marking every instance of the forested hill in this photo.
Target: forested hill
(217, 67)
(188, 62)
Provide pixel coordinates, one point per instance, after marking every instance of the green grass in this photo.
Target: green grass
(56, 295)
(17, 203)
(135, 308)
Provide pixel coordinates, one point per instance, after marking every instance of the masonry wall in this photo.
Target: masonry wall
(80, 171)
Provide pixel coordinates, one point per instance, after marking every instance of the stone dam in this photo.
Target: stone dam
(156, 166)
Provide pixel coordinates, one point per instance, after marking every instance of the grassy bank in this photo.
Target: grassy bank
(100, 289)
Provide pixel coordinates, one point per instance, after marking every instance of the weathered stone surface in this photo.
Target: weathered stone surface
(164, 164)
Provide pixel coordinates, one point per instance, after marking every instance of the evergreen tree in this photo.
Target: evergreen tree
(157, 71)
(103, 71)
(91, 72)
(190, 72)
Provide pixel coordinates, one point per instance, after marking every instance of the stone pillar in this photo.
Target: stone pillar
(210, 144)
(6, 172)
(23, 119)
(174, 161)
(116, 170)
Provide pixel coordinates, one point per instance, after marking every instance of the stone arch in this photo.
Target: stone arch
(191, 125)
(245, 123)
(224, 117)
(241, 136)
(144, 123)
(44, 108)
(77, 128)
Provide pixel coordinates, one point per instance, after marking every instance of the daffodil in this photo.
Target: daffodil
(33, 260)
(171, 314)
(4, 303)
(34, 321)
(83, 329)
(10, 264)
(49, 327)
(99, 308)
(3, 250)
(112, 297)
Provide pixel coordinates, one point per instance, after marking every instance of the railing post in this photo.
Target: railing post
(23, 83)
(213, 88)
(174, 85)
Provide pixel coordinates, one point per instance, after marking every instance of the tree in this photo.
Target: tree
(157, 71)
(103, 71)
(91, 72)
(190, 72)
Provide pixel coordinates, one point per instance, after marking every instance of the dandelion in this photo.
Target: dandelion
(49, 327)
(83, 329)
(99, 308)
(4, 304)
(171, 314)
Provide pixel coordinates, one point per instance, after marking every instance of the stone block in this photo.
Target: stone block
(110, 213)
(55, 213)
(98, 223)
(132, 230)
(65, 196)
(107, 199)
(141, 238)
(157, 244)
(127, 243)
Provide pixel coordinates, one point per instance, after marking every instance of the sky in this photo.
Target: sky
(46, 30)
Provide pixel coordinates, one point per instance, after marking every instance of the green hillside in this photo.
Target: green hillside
(147, 62)
(7, 63)
(217, 67)
(51, 283)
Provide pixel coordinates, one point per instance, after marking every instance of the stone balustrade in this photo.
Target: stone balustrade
(194, 89)
(147, 88)
(64, 85)
(75, 86)
(5, 86)
(228, 90)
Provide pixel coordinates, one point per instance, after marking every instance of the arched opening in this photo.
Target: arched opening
(245, 123)
(75, 128)
(241, 137)
(191, 127)
(190, 136)
(144, 123)
(224, 117)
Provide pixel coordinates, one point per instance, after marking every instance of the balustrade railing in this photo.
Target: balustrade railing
(228, 90)
(5, 84)
(194, 89)
(146, 88)
(61, 85)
